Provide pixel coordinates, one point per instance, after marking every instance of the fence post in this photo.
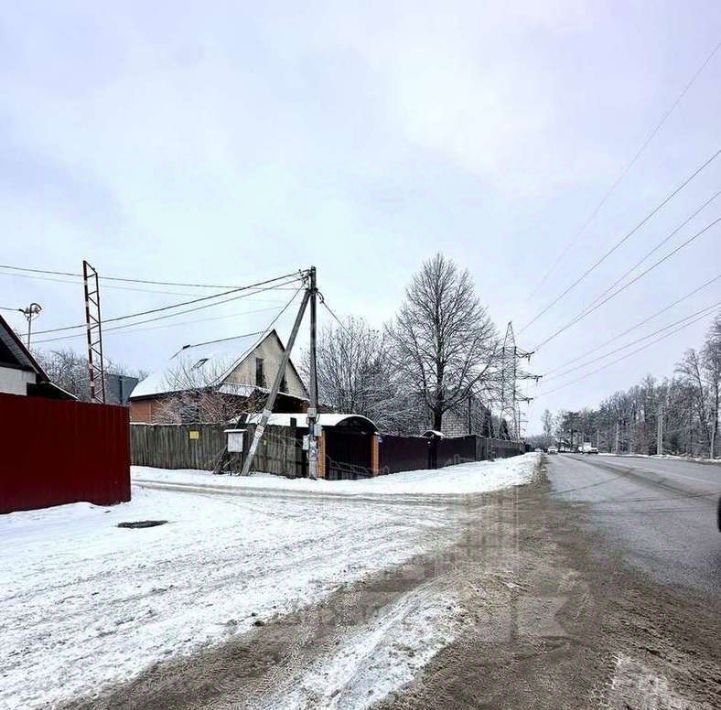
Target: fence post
(375, 454)
(321, 455)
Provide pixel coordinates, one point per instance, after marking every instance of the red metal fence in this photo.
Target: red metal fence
(54, 452)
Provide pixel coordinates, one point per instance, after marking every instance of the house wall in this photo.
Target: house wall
(272, 355)
(15, 381)
(142, 410)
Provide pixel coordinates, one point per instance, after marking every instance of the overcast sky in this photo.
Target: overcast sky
(228, 142)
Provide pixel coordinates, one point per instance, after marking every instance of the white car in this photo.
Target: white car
(552, 450)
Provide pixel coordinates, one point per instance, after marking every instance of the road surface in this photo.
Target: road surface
(661, 513)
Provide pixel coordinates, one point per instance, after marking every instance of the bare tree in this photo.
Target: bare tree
(200, 394)
(547, 420)
(443, 342)
(354, 374)
(69, 370)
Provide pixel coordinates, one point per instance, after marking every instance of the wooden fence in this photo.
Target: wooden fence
(200, 446)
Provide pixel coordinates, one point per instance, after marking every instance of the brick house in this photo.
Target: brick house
(238, 370)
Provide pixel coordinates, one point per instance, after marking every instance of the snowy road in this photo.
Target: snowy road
(87, 605)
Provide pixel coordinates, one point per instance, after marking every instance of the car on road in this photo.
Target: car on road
(586, 448)
(552, 450)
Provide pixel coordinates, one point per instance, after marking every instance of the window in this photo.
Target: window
(259, 372)
(200, 363)
(283, 384)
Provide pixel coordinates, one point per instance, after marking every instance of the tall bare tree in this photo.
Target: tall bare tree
(353, 372)
(69, 370)
(443, 342)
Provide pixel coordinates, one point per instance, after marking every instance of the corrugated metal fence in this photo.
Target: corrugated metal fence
(59, 451)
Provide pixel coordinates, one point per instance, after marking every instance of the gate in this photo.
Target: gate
(347, 455)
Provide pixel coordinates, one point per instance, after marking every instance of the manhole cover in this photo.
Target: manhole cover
(142, 524)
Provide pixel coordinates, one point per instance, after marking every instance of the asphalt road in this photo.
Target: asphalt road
(661, 514)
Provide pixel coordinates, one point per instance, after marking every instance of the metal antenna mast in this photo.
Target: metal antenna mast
(93, 323)
(30, 312)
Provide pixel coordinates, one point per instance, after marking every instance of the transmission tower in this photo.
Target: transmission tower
(96, 367)
(510, 375)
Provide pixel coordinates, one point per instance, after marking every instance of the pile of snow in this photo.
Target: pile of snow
(466, 478)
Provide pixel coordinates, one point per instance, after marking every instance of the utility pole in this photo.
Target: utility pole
(313, 408)
(268, 409)
(659, 431)
(30, 312)
(618, 435)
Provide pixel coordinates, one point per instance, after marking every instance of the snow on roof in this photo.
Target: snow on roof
(197, 366)
(325, 420)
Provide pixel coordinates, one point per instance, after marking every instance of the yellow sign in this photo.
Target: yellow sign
(194, 435)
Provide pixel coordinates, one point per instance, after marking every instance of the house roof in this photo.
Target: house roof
(203, 365)
(325, 420)
(14, 353)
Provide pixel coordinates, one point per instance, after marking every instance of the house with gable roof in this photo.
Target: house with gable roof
(239, 371)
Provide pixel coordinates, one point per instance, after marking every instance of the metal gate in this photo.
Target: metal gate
(347, 455)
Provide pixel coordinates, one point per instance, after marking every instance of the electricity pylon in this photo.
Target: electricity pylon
(510, 374)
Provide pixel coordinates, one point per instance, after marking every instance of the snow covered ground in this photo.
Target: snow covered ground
(86, 604)
(465, 478)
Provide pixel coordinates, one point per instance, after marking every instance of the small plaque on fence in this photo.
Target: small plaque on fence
(194, 435)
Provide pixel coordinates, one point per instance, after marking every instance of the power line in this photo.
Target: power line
(626, 170)
(633, 342)
(623, 239)
(132, 280)
(258, 286)
(152, 320)
(79, 282)
(658, 246)
(590, 309)
(635, 326)
(131, 327)
(624, 357)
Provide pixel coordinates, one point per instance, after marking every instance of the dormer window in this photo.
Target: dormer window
(200, 363)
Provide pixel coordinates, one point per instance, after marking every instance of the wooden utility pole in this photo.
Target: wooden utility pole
(270, 402)
(659, 431)
(313, 408)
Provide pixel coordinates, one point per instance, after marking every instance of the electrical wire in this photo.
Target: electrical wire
(626, 170)
(298, 274)
(624, 357)
(115, 287)
(622, 240)
(258, 286)
(130, 327)
(663, 242)
(633, 342)
(590, 309)
(633, 327)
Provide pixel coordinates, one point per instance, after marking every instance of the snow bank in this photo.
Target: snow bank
(468, 478)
